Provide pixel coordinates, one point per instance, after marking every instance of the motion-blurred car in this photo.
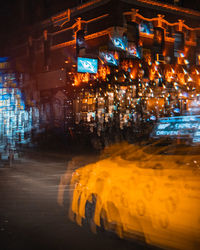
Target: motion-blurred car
(147, 192)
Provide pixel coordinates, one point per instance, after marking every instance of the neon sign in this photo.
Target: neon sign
(133, 50)
(87, 65)
(146, 27)
(180, 126)
(119, 43)
(109, 58)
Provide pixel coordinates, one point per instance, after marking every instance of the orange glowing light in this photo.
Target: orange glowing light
(181, 78)
(81, 78)
(116, 55)
(125, 65)
(153, 72)
(134, 73)
(103, 72)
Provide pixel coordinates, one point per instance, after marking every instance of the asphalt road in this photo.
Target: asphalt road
(30, 217)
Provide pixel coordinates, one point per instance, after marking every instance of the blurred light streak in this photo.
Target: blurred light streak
(139, 192)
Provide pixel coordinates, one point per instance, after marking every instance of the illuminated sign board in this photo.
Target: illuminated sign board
(3, 59)
(133, 50)
(120, 43)
(146, 27)
(87, 65)
(110, 58)
(4, 63)
(179, 126)
(4, 97)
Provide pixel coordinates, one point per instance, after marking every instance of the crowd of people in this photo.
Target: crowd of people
(99, 136)
(93, 135)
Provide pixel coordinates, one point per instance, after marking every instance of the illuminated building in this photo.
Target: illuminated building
(148, 62)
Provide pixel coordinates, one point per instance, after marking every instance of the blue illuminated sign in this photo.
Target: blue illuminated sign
(119, 43)
(146, 27)
(176, 110)
(3, 59)
(4, 97)
(134, 50)
(153, 118)
(109, 58)
(87, 65)
(180, 126)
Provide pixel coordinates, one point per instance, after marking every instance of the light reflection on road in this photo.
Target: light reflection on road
(138, 194)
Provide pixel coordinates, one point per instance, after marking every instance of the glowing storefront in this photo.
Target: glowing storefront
(15, 121)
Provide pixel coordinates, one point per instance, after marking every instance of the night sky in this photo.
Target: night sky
(27, 12)
(18, 14)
